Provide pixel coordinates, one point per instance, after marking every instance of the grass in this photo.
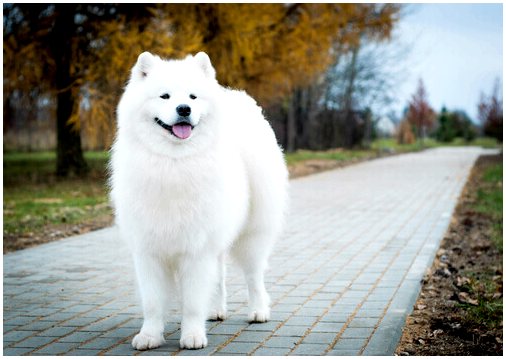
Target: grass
(35, 198)
(490, 201)
(488, 313)
(334, 155)
(487, 285)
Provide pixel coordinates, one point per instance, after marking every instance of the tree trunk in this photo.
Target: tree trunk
(348, 101)
(69, 153)
(291, 126)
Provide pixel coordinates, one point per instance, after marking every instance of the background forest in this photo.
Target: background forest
(318, 71)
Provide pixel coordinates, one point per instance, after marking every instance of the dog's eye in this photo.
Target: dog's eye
(193, 97)
(165, 96)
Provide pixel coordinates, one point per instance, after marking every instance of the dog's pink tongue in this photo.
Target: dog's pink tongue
(182, 130)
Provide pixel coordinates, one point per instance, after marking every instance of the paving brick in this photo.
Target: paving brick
(349, 344)
(251, 336)
(337, 251)
(99, 343)
(79, 337)
(226, 329)
(215, 340)
(56, 348)
(327, 327)
(8, 328)
(38, 325)
(57, 331)
(280, 316)
(369, 313)
(17, 335)
(79, 321)
(34, 342)
(267, 326)
(16, 351)
(19, 320)
(201, 352)
(319, 338)
(238, 348)
(281, 342)
(120, 333)
(310, 349)
(357, 333)
(170, 347)
(121, 350)
(298, 321)
(343, 352)
(291, 331)
(263, 351)
(363, 323)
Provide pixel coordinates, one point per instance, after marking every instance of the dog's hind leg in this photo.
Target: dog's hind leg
(219, 299)
(251, 254)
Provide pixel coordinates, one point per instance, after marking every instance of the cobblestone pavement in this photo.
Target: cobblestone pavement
(342, 279)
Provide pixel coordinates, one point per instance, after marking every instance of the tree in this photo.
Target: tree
(353, 75)
(48, 47)
(277, 52)
(490, 113)
(405, 134)
(454, 124)
(365, 77)
(271, 50)
(420, 115)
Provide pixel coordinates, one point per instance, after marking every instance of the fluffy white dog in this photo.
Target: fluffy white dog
(196, 173)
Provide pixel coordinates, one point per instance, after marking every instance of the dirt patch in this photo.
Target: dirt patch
(308, 167)
(49, 233)
(454, 314)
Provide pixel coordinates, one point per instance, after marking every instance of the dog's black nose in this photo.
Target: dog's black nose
(183, 110)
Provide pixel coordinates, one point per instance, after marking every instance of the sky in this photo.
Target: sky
(456, 49)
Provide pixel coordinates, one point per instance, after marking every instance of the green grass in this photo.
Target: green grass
(40, 167)
(391, 143)
(490, 201)
(29, 208)
(488, 311)
(35, 198)
(334, 155)
(485, 285)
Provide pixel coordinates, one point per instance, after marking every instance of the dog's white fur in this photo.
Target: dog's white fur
(182, 205)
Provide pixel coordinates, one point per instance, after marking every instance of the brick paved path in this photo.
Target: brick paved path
(342, 279)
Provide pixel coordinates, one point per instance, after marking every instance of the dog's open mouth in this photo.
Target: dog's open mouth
(181, 130)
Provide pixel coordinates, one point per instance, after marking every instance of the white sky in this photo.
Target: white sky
(457, 51)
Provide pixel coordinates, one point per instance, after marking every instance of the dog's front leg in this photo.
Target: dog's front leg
(153, 290)
(198, 279)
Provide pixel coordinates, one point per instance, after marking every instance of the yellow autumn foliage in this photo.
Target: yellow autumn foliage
(267, 49)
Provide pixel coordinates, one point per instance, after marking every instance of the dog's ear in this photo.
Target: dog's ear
(142, 68)
(204, 62)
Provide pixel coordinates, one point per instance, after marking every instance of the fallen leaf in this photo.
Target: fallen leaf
(437, 332)
(462, 281)
(465, 298)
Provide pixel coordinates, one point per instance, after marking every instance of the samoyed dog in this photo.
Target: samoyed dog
(196, 175)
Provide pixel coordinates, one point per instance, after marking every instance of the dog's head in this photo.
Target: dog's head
(169, 104)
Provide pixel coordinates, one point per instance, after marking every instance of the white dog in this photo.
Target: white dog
(196, 173)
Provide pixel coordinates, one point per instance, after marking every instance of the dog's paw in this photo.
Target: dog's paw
(259, 315)
(193, 341)
(144, 341)
(218, 314)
